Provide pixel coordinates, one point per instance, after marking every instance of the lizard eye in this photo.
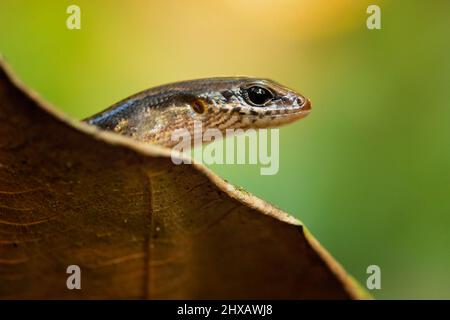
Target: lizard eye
(257, 95)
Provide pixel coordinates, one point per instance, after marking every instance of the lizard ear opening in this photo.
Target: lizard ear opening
(199, 106)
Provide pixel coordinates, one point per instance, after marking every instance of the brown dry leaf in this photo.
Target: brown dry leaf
(136, 224)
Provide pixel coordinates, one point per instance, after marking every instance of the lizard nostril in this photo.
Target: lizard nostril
(305, 103)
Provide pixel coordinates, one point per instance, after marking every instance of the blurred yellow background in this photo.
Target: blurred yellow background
(368, 171)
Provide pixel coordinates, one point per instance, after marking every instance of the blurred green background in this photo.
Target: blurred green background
(368, 171)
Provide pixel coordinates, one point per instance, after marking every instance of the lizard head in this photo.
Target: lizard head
(243, 102)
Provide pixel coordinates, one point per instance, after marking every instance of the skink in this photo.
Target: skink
(222, 103)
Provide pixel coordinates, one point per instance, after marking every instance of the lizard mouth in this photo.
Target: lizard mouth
(285, 118)
(293, 114)
(298, 113)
